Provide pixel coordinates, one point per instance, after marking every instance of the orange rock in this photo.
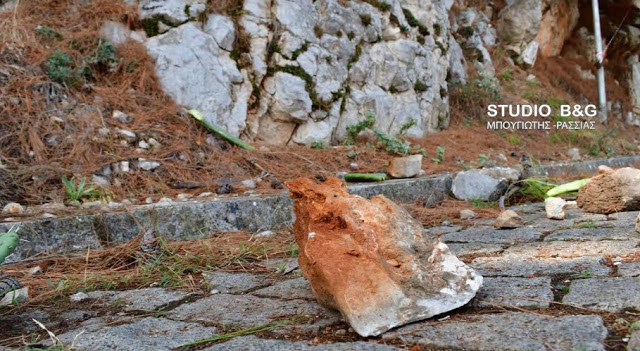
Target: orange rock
(372, 261)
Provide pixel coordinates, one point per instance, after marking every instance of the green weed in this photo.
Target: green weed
(439, 155)
(76, 192)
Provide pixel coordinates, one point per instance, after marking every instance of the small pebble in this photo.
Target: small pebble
(128, 135)
(92, 204)
(60, 120)
(100, 180)
(53, 206)
(154, 143)
(468, 214)
(184, 197)
(205, 194)
(103, 132)
(12, 208)
(124, 166)
(148, 200)
(143, 144)
(224, 189)
(214, 292)
(164, 201)
(340, 332)
(266, 234)
(446, 223)
(48, 215)
(35, 270)
(122, 117)
(276, 184)
(147, 165)
(249, 184)
(353, 166)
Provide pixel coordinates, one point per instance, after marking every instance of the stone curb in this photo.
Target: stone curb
(193, 219)
(576, 168)
(196, 219)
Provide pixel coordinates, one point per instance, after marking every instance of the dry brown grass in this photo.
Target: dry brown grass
(124, 267)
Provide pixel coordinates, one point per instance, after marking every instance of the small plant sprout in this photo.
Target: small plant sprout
(439, 155)
(403, 129)
(77, 192)
(482, 159)
(317, 145)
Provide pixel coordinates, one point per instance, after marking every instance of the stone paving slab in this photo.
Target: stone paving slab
(615, 294)
(626, 219)
(297, 288)
(592, 234)
(522, 266)
(579, 167)
(493, 236)
(235, 283)
(629, 269)
(472, 249)
(249, 311)
(570, 249)
(253, 343)
(158, 334)
(514, 292)
(445, 229)
(140, 299)
(509, 331)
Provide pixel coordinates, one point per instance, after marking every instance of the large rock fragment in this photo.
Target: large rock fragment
(373, 262)
(483, 184)
(612, 191)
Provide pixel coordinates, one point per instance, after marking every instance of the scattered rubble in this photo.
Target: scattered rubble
(555, 206)
(373, 262)
(508, 219)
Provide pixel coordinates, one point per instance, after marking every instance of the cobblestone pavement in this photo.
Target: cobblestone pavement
(549, 285)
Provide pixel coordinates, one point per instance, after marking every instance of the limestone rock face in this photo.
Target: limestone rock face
(199, 74)
(518, 24)
(559, 19)
(372, 261)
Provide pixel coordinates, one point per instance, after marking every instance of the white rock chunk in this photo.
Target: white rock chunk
(555, 206)
(405, 167)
